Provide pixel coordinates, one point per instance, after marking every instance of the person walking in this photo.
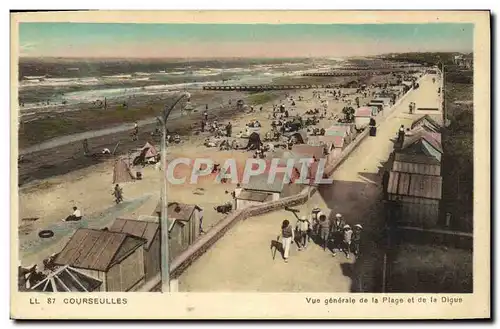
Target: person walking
(302, 228)
(356, 239)
(347, 240)
(313, 230)
(401, 136)
(135, 132)
(288, 237)
(324, 230)
(86, 147)
(118, 193)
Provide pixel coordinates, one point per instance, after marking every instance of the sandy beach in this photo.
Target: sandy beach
(53, 180)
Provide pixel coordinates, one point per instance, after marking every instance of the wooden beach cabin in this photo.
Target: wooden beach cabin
(424, 143)
(149, 230)
(417, 198)
(428, 123)
(115, 258)
(362, 116)
(258, 190)
(183, 225)
(416, 164)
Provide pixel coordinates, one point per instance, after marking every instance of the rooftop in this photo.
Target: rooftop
(254, 196)
(97, 249)
(260, 183)
(139, 228)
(423, 186)
(309, 151)
(178, 211)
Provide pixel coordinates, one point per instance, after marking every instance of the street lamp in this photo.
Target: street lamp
(165, 256)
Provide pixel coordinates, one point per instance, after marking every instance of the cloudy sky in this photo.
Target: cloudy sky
(128, 40)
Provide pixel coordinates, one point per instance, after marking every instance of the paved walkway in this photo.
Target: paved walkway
(242, 259)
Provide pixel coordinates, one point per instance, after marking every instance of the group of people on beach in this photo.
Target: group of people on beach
(332, 233)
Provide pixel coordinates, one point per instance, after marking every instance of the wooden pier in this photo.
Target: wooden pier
(264, 87)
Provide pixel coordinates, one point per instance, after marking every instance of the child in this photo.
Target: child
(302, 228)
(347, 240)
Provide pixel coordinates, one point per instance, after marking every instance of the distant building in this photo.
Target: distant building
(114, 258)
(464, 61)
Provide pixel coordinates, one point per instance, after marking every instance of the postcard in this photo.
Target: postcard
(250, 165)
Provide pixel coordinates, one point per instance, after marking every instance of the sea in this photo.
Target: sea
(58, 83)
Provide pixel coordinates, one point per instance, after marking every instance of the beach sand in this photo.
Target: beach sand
(63, 177)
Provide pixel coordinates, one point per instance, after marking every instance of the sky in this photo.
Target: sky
(128, 40)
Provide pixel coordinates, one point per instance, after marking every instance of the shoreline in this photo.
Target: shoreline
(65, 154)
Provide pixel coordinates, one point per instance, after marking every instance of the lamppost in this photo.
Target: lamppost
(165, 256)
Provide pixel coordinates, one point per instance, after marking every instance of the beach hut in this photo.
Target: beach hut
(407, 83)
(338, 130)
(307, 151)
(416, 164)
(122, 172)
(183, 225)
(362, 117)
(423, 142)
(428, 123)
(68, 279)
(376, 106)
(149, 230)
(115, 258)
(259, 190)
(334, 145)
(417, 198)
(249, 198)
(301, 151)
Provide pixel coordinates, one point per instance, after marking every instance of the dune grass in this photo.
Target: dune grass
(431, 269)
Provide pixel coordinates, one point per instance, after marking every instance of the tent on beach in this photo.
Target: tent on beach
(68, 279)
(151, 151)
(254, 142)
(122, 172)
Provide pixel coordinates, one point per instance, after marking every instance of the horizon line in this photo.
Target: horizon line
(233, 57)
